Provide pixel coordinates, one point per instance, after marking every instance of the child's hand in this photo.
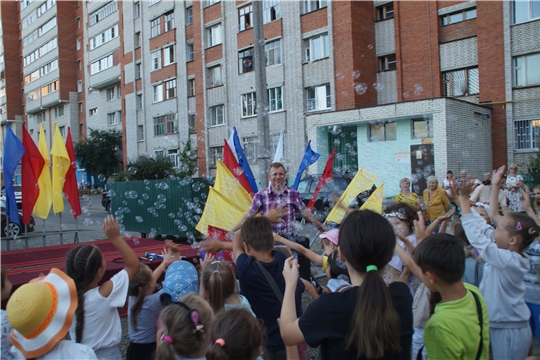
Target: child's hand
(173, 247)
(420, 227)
(167, 257)
(211, 246)
(208, 258)
(290, 271)
(498, 176)
(448, 215)
(525, 197)
(466, 190)
(111, 228)
(276, 213)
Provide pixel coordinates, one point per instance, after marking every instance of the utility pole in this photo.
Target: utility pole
(259, 62)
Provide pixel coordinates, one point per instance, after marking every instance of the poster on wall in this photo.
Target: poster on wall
(403, 157)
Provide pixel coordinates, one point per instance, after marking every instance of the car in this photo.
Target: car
(106, 201)
(17, 189)
(12, 229)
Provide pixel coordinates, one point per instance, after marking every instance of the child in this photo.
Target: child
(502, 284)
(236, 335)
(458, 329)
(371, 319)
(181, 278)
(259, 268)
(143, 310)
(337, 274)
(536, 201)
(6, 328)
(218, 286)
(185, 328)
(97, 322)
(41, 313)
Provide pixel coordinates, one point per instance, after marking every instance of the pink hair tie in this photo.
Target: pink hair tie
(220, 342)
(167, 339)
(518, 226)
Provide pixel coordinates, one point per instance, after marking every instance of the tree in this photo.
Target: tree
(98, 153)
(534, 167)
(188, 161)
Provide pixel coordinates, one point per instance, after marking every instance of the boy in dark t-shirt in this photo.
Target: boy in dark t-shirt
(255, 243)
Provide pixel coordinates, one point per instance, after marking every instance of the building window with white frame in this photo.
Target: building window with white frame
(191, 87)
(249, 104)
(33, 95)
(29, 20)
(40, 117)
(139, 102)
(216, 153)
(317, 48)
(155, 27)
(459, 16)
(172, 127)
(275, 99)
(113, 118)
(28, 59)
(211, 2)
(387, 63)
(104, 37)
(47, 68)
(168, 19)
(272, 52)
(216, 115)
(250, 148)
(245, 61)
(62, 130)
(30, 38)
(156, 60)
(385, 11)
(313, 5)
(526, 10)
(103, 12)
(527, 134)
(189, 16)
(49, 88)
(158, 93)
(214, 76)
(101, 64)
(271, 10)
(111, 94)
(169, 55)
(136, 10)
(138, 71)
(382, 131)
(319, 98)
(32, 77)
(159, 125)
(464, 82)
(59, 111)
(214, 35)
(43, 29)
(190, 55)
(244, 17)
(170, 89)
(137, 39)
(173, 157)
(527, 69)
(93, 112)
(140, 132)
(153, 2)
(48, 47)
(422, 128)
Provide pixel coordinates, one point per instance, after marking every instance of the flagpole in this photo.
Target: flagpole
(43, 234)
(76, 239)
(61, 234)
(7, 227)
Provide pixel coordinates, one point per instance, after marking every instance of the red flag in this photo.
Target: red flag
(325, 178)
(31, 166)
(232, 164)
(70, 186)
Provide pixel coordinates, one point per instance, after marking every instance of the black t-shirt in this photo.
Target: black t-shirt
(327, 320)
(263, 301)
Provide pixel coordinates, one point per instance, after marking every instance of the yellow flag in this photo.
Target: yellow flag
(374, 202)
(227, 185)
(219, 212)
(44, 200)
(60, 166)
(362, 181)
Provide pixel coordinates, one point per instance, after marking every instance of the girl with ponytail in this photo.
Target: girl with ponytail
(370, 320)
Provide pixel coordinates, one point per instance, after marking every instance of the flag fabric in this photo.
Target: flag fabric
(13, 152)
(278, 156)
(362, 181)
(60, 166)
(325, 178)
(44, 200)
(232, 164)
(227, 185)
(242, 161)
(31, 167)
(70, 187)
(310, 157)
(374, 202)
(218, 212)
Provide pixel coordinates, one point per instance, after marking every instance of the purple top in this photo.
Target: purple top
(290, 198)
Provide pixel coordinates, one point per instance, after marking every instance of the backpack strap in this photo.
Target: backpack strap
(271, 281)
(481, 321)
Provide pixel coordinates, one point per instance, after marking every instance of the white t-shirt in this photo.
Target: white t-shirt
(102, 327)
(64, 350)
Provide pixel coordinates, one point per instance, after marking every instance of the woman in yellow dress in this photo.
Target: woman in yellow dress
(406, 195)
(436, 201)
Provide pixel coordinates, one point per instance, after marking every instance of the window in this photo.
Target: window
(158, 92)
(168, 19)
(104, 37)
(244, 17)
(216, 115)
(461, 82)
(211, 2)
(111, 94)
(214, 76)
(29, 20)
(32, 77)
(80, 108)
(155, 27)
(79, 65)
(274, 140)
(138, 39)
(78, 23)
(318, 98)
(191, 87)
(422, 128)
(272, 52)
(136, 10)
(171, 124)
(249, 104)
(382, 131)
(245, 61)
(103, 12)
(25, 3)
(170, 89)
(45, 6)
(312, 5)
(93, 112)
(215, 154)
(317, 48)
(53, 65)
(452, 18)
(40, 117)
(214, 35)
(101, 64)
(140, 132)
(527, 134)
(113, 118)
(189, 16)
(191, 123)
(28, 59)
(49, 88)
(387, 62)
(159, 125)
(153, 2)
(524, 70)
(59, 111)
(385, 12)
(30, 38)
(79, 86)
(250, 148)
(275, 99)
(173, 157)
(2, 92)
(43, 29)
(138, 69)
(48, 47)
(139, 102)
(189, 52)
(270, 10)
(156, 60)
(525, 10)
(168, 55)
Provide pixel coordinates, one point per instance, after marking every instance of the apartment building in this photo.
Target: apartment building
(401, 88)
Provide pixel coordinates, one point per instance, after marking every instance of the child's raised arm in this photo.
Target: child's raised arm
(238, 248)
(310, 254)
(407, 259)
(524, 198)
(167, 260)
(494, 198)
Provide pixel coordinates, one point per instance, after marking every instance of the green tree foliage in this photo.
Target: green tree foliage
(98, 153)
(534, 167)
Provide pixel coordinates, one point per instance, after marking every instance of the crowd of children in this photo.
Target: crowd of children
(479, 293)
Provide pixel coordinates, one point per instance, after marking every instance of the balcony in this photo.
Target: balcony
(105, 78)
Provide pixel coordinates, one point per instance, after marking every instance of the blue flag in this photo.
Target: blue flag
(13, 152)
(242, 161)
(310, 157)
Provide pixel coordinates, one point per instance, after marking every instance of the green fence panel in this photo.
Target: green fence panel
(165, 207)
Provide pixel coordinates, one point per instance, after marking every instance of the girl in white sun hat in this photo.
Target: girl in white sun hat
(40, 313)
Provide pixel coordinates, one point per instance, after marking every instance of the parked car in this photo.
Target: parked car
(13, 229)
(106, 201)
(18, 194)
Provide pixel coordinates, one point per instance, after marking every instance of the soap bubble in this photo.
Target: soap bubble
(139, 219)
(136, 241)
(112, 193)
(140, 202)
(133, 194)
(145, 196)
(337, 142)
(161, 198)
(370, 46)
(356, 74)
(101, 178)
(172, 215)
(334, 129)
(132, 170)
(340, 76)
(238, 170)
(360, 88)
(124, 202)
(164, 185)
(146, 182)
(127, 210)
(63, 227)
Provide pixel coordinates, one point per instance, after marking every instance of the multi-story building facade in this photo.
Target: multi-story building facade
(399, 88)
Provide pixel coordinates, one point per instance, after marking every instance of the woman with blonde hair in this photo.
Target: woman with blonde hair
(406, 195)
(514, 182)
(435, 200)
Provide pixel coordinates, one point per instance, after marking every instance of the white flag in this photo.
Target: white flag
(278, 157)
